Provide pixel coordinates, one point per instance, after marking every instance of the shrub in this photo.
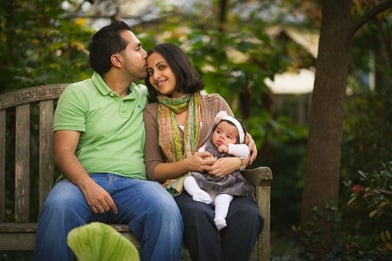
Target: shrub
(368, 212)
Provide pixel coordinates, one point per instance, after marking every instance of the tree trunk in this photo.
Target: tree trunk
(326, 122)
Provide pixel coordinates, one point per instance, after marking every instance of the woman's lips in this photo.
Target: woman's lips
(161, 83)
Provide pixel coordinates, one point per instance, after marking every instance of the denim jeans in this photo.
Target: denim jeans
(149, 210)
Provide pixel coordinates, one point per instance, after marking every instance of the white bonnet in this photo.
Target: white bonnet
(222, 115)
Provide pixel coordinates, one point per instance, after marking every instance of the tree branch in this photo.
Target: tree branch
(371, 14)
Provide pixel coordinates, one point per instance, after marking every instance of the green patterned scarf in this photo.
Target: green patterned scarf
(170, 138)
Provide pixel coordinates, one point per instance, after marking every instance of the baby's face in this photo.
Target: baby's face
(225, 133)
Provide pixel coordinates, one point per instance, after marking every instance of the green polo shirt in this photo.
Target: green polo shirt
(112, 129)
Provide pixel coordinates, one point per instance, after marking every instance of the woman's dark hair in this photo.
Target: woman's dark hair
(104, 43)
(187, 78)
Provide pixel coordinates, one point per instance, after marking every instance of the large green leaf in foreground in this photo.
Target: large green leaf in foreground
(100, 242)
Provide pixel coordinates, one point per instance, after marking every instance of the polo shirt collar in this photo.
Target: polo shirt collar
(102, 87)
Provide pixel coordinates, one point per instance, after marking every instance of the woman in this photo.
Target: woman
(178, 121)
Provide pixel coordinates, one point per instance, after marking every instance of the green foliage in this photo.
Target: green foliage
(40, 45)
(366, 153)
(368, 210)
(365, 140)
(311, 237)
(351, 253)
(100, 242)
(284, 153)
(361, 227)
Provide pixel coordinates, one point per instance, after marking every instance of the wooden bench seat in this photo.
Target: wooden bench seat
(27, 170)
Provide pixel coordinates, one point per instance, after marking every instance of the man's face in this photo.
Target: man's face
(135, 63)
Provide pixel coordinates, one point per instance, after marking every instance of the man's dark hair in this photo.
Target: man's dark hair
(187, 78)
(104, 43)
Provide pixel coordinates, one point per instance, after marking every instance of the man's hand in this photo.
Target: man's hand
(98, 199)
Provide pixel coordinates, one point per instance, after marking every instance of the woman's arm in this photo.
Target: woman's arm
(156, 166)
(198, 162)
(224, 166)
(252, 147)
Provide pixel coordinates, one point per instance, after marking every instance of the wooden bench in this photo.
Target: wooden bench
(27, 170)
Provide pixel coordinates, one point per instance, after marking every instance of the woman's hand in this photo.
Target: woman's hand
(224, 166)
(200, 161)
(252, 147)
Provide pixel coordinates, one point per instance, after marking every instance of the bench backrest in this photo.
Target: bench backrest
(27, 168)
(21, 113)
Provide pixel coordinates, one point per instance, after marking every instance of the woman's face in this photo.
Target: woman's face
(161, 76)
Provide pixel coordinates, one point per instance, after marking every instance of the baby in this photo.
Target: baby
(227, 138)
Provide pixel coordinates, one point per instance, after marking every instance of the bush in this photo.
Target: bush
(368, 212)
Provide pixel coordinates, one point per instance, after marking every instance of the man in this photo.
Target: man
(98, 144)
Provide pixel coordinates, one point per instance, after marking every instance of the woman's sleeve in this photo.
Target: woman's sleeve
(224, 106)
(211, 105)
(152, 152)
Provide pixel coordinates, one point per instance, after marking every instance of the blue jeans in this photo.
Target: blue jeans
(149, 210)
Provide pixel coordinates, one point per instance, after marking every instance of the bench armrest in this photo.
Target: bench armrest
(259, 176)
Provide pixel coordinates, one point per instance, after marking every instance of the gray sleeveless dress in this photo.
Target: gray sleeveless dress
(233, 184)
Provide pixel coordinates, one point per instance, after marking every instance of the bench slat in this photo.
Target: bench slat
(17, 241)
(46, 162)
(21, 236)
(22, 163)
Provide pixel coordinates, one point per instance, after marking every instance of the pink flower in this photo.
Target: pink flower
(357, 189)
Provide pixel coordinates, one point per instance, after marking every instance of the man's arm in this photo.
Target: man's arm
(65, 143)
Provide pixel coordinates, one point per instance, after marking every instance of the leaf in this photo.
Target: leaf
(382, 235)
(388, 234)
(388, 246)
(100, 242)
(351, 200)
(373, 213)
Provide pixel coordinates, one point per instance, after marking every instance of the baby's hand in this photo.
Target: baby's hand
(223, 148)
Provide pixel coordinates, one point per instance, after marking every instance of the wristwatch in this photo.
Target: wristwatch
(242, 167)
